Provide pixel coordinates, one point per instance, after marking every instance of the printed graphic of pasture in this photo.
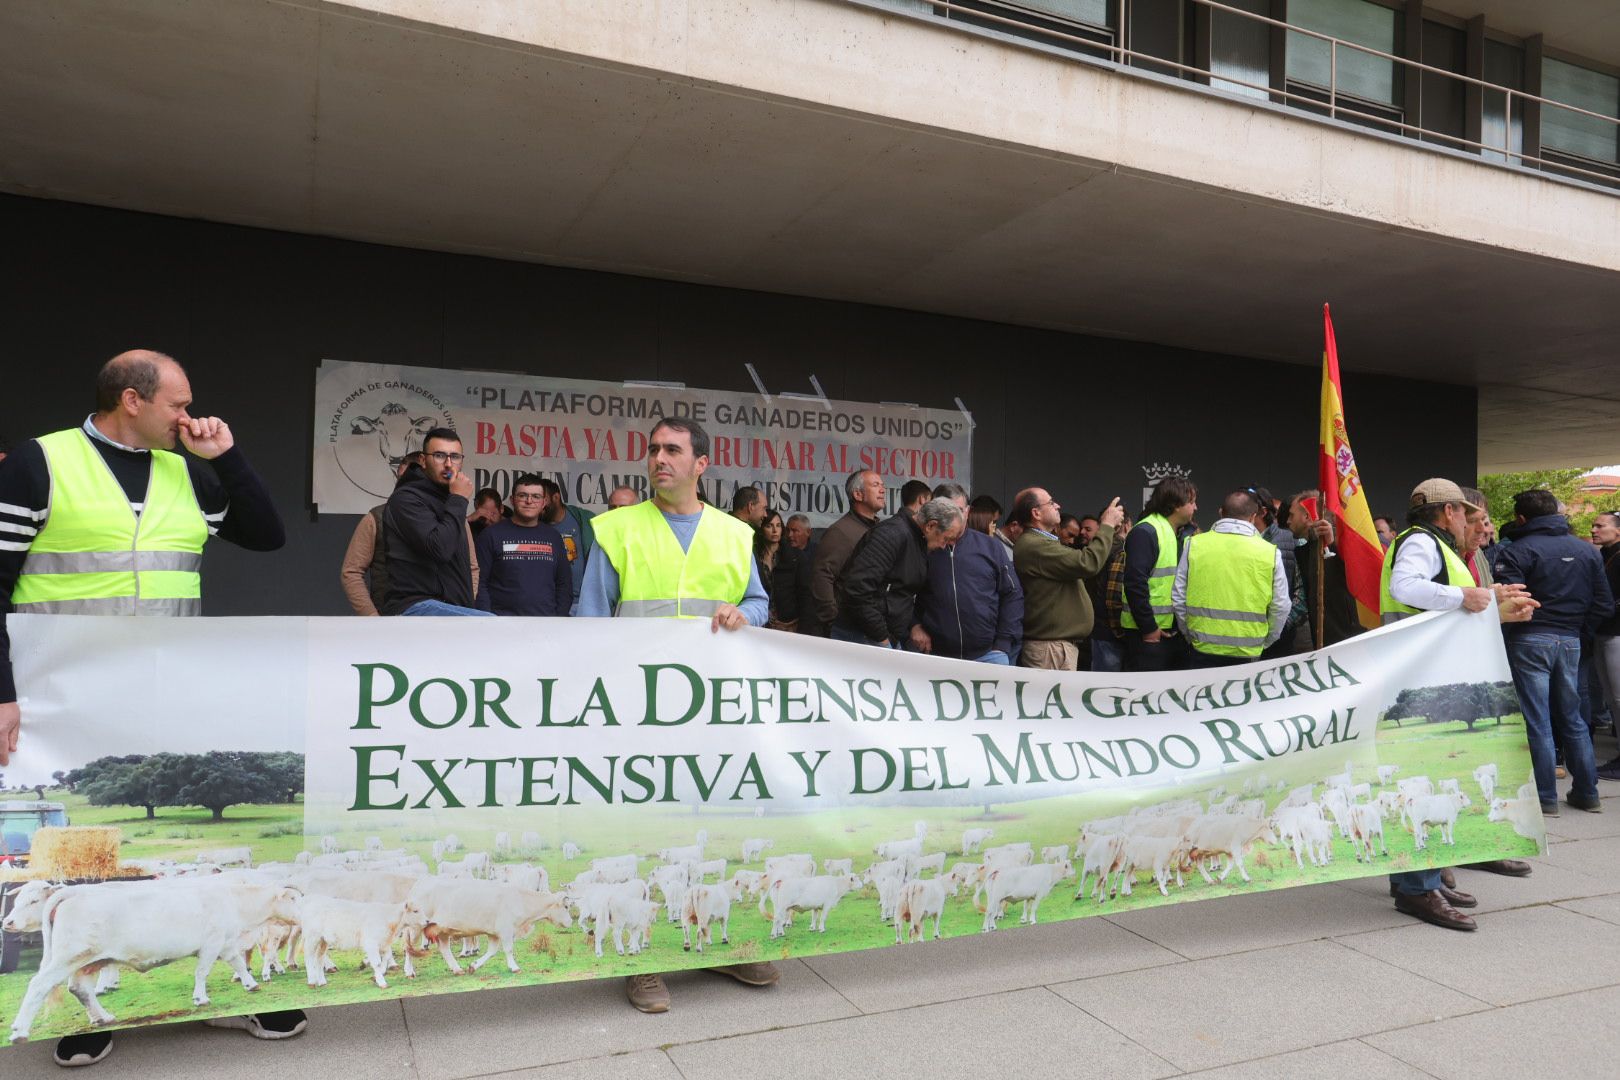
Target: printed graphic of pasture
(564, 844)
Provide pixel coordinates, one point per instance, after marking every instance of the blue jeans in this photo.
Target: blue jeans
(994, 656)
(1416, 882)
(1546, 675)
(1106, 655)
(439, 607)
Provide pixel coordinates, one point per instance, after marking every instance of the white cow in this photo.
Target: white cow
(143, 925)
(706, 905)
(459, 909)
(503, 843)
(685, 853)
(615, 909)
(1159, 855)
(917, 901)
(973, 839)
(329, 845)
(672, 881)
(457, 868)
(837, 866)
(533, 878)
(1231, 837)
(817, 895)
(1058, 853)
(480, 862)
(347, 924)
(452, 843)
(438, 851)
(1524, 814)
(1300, 796)
(1414, 787)
(1104, 854)
(915, 865)
(1438, 810)
(898, 849)
(222, 857)
(570, 851)
(531, 842)
(1386, 773)
(745, 883)
(1486, 777)
(919, 829)
(1317, 840)
(616, 867)
(1030, 884)
(1450, 786)
(1366, 823)
(754, 847)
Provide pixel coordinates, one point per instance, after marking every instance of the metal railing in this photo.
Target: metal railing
(1116, 45)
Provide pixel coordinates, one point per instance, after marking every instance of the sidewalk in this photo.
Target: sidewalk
(1325, 980)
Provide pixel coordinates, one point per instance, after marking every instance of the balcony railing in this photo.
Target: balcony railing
(1114, 43)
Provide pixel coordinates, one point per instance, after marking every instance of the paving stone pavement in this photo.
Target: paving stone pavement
(1321, 981)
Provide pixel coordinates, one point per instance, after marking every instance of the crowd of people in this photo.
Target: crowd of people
(105, 518)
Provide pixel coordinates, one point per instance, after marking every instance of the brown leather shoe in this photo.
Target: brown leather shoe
(1432, 907)
(1505, 867)
(1458, 899)
(1448, 878)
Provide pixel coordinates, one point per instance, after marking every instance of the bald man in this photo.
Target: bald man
(105, 519)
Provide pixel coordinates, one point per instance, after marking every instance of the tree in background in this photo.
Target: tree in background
(146, 782)
(1499, 489)
(222, 778)
(1466, 703)
(215, 780)
(285, 770)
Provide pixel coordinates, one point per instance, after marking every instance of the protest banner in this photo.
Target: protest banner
(779, 796)
(591, 437)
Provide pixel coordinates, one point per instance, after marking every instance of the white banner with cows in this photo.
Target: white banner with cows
(217, 816)
(591, 437)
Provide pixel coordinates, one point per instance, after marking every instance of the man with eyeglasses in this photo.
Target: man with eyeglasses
(522, 563)
(1057, 609)
(430, 550)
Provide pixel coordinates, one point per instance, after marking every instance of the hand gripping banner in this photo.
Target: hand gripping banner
(239, 815)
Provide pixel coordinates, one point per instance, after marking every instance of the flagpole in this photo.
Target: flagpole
(1317, 615)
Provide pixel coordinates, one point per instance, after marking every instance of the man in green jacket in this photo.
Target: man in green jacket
(1057, 611)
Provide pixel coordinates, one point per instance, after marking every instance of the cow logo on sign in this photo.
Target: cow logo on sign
(376, 424)
(1160, 471)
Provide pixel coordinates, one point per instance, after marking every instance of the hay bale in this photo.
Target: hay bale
(76, 851)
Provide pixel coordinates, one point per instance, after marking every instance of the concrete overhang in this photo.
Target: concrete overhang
(820, 148)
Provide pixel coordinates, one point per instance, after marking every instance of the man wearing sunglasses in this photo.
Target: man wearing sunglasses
(431, 570)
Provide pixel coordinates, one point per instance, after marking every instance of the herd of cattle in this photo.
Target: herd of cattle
(388, 905)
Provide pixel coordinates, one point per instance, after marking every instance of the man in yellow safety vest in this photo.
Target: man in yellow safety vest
(1230, 594)
(675, 557)
(1152, 551)
(105, 519)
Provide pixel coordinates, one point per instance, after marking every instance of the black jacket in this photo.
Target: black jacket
(426, 531)
(974, 602)
(1563, 572)
(1610, 627)
(877, 593)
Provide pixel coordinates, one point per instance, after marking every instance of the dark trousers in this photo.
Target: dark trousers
(1167, 654)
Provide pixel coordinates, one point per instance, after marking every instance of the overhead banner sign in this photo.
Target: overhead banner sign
(591, 437)
(261, 814)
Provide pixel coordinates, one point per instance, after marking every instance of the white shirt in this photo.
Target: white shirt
(1281, 602)
(1411, 579)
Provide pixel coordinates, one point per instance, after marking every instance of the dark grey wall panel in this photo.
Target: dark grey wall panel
(252, 312)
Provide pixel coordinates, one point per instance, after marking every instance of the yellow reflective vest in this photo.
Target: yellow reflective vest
(659, 580)
(1229, 588)
(96, 555)
(1160, 580)
(1455, 573)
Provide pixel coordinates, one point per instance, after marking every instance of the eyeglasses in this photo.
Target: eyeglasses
(441, 457)
(526, 497)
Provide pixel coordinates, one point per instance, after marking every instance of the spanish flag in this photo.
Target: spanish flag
(1343, 501)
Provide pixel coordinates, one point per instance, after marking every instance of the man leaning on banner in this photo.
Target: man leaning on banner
(675, 557)
(1424, 572)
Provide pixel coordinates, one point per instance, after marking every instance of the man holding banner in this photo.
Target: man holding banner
(1231, 596)
(105, 519)
(675, 557)
(1423, 572)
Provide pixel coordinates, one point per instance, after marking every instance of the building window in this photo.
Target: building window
(1504, 66)
(1091, 12)
(1360, 75)
(1240, 48)
(1571, 133)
